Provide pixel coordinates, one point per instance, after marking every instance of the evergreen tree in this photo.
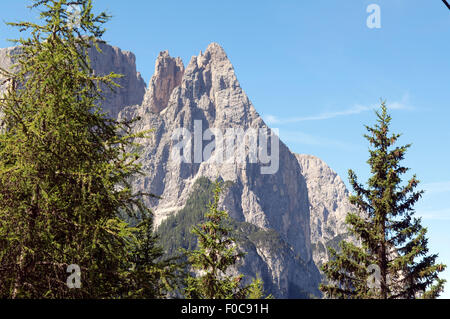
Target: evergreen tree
(216, 253)
(151, 275)
(393, 242)
(64, 171)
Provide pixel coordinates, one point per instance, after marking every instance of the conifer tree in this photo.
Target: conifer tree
(392, 260)
(65, 170)
(216, 253)
(150, 274)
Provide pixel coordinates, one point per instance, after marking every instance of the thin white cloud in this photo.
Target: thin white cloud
(271, 119)
(437, 214)
(438, 187)
(399, 106)
(297, 137)
(403, 104)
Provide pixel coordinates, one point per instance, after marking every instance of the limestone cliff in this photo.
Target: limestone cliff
(168, 74)
(110, 59)
(132, 86)
(329, 205)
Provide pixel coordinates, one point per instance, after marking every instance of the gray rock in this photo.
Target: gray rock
(6, 63)
(329, 205)
(110, 59)
(132, 86)
(168, 75)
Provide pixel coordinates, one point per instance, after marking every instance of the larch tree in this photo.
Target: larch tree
(65, 169)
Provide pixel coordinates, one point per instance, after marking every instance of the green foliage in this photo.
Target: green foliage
(65, 170)
(391, 237)
(175, 231)
(256, 290)
(271, 239)
(152, 274)
(216, 253)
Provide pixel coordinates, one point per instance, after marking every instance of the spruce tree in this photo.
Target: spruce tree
(216, 253)
(65, 170)
(392, 259)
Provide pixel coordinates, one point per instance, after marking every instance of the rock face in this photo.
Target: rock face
(329, 205)
(6, 57)
(168, 75)
(113, 59)
(110, 59)
(6, 62)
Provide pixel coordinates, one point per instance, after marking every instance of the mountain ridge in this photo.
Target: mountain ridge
(297, 202)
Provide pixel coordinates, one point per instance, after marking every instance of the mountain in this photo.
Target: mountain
(110, 59)
(302, 204)
(285, 208)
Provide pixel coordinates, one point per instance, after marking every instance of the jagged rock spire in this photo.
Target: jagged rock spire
(168, 75)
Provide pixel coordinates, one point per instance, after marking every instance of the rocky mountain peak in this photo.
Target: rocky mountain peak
(214, 54)
(168, 74)
(210, 97)
(286, 219)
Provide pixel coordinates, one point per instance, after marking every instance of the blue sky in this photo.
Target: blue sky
(315, 70)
